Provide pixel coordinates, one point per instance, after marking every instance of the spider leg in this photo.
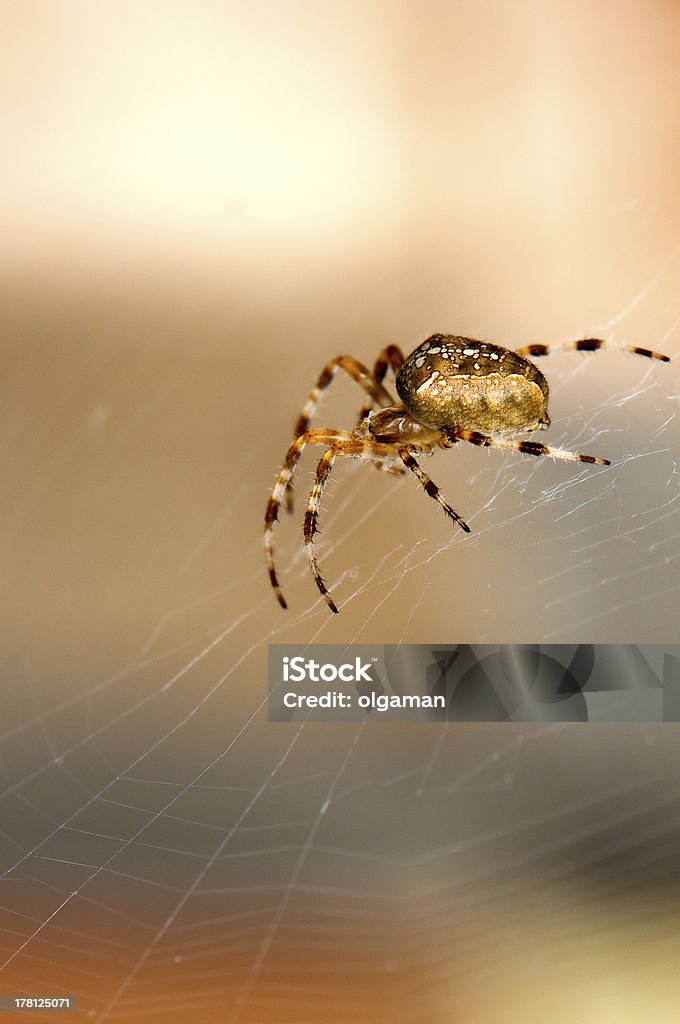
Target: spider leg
(392, 356)
(326, 437)
(589, 345)
(323, 471)
(527, 447)
(431, 488)
(359, 373)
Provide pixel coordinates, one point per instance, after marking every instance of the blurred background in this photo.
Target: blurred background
(201, 204)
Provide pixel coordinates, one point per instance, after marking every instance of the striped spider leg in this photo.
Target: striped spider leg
(589, 345)
(359, 373)
(338, 443)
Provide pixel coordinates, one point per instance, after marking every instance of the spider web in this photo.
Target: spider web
(166, 853)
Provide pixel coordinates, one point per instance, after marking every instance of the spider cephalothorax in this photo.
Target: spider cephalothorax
(452, 389)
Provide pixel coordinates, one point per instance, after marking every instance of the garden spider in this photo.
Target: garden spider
(452, 389)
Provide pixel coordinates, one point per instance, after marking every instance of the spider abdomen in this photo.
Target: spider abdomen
(450, 381)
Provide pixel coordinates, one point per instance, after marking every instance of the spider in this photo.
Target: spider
(452, 389)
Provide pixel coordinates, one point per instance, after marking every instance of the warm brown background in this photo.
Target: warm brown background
(200, 204)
